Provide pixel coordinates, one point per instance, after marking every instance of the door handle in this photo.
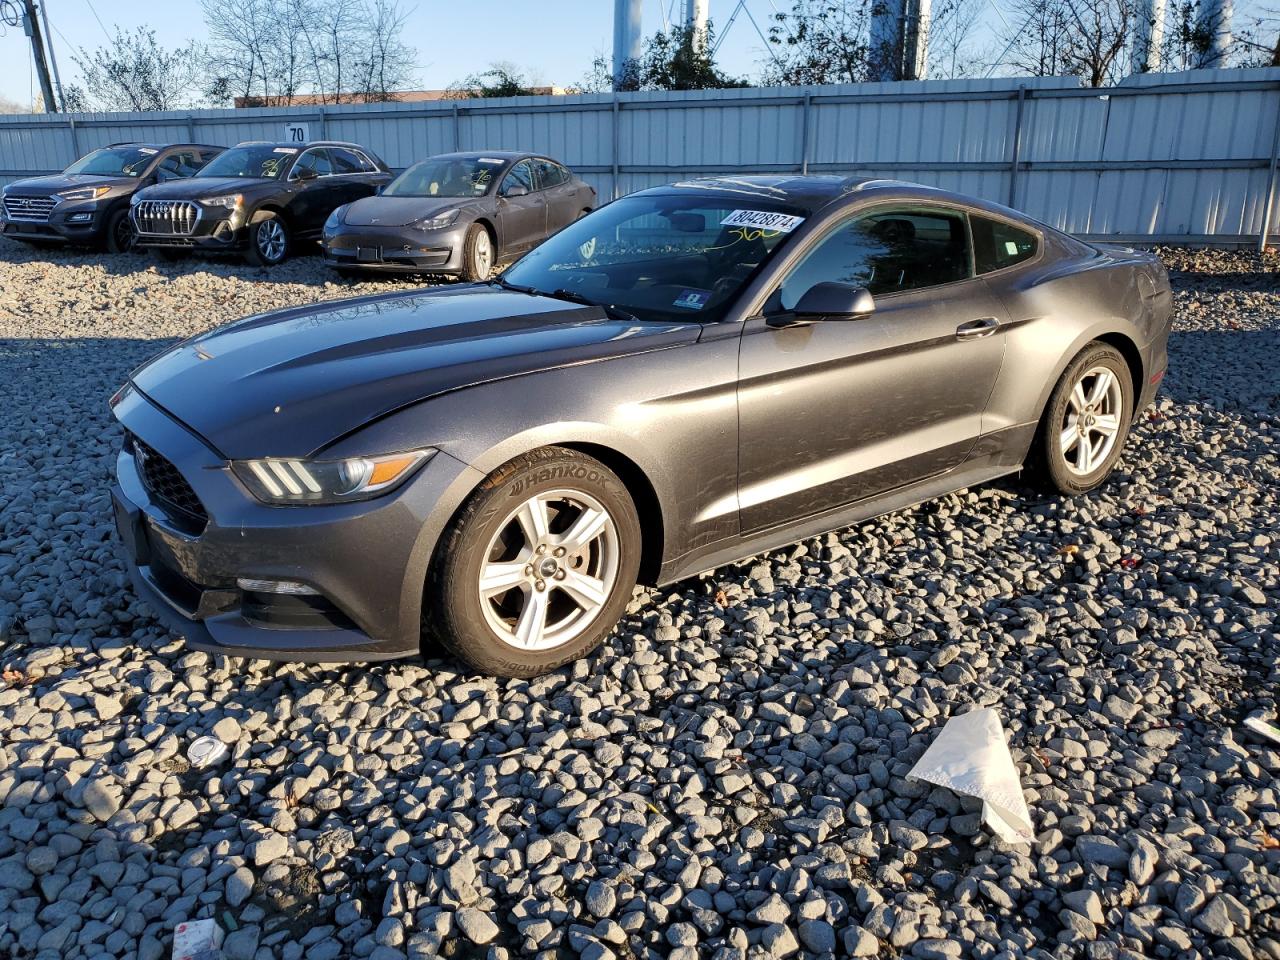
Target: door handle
(982, 327)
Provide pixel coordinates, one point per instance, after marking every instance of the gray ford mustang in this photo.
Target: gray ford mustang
(686, 377)
(459, 214)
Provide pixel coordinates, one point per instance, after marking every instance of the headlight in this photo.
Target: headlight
(327, 481)
(84, 193)
(230, 201)
(335, 219)
(435, 223)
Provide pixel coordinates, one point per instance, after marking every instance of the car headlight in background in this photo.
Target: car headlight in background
(436, 223)
(84, 193)
(327, 481)
(231, 201)
(335, 219)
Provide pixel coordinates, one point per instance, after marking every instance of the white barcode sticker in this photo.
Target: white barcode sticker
(763, 220)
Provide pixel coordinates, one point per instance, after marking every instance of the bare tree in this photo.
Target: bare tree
(135, 73)
(1101, 32)
(270, 51)
(820, 41)
(1039, 40)
(953, 46)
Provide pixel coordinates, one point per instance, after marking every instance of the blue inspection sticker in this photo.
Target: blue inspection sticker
(693, 299)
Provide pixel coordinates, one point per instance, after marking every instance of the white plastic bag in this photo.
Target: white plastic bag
(971, 757)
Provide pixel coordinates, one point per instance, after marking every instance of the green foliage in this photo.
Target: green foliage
(675, 59)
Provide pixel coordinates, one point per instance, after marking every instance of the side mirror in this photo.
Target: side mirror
(835, 301)
(516, 190)
(305, 173)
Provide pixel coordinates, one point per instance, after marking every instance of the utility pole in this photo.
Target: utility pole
(53, 57)
(31, 25)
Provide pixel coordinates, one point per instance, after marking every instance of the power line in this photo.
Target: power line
(105, 32)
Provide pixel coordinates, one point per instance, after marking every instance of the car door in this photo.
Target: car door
(522, 218)
(359, 176)
(312, 201)
(834, 411)
(561, 197)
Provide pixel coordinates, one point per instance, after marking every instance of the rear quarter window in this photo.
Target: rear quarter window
(997, 244)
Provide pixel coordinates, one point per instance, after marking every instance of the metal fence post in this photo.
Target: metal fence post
(324, 124)
(804, 132)
(191, 129)
(457, 128)
(1017, 145)
(617, 145)
(1269, 205)
(75, 140)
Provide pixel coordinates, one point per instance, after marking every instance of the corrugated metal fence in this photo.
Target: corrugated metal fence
(1185, 157)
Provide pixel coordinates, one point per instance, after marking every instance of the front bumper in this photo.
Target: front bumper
(366, 561)
(212, 233)
(69, 222)
(395, 249)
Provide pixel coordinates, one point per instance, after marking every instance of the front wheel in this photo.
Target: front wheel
(120, 233)
(1086, 422)
(537, 567)
(477, 254)
(268, 241)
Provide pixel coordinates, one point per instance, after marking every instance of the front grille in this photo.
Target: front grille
(166, 217)
(28, 209)
(168, 486)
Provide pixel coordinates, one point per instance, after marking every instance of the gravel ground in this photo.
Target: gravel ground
(726, 779)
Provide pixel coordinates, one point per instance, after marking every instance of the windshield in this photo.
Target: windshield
(115, 162)
(660, 257)
(456, 177)
(258, 161)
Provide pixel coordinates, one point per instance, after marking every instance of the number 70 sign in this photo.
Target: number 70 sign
(296, 133)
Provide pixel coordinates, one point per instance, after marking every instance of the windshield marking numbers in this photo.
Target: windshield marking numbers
(763, 219)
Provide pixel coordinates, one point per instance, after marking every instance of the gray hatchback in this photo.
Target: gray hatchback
(459, 214)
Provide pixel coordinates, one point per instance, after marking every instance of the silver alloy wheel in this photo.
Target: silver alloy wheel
(1092, 421)
(549, 570)
(483, 254)
(271, 240)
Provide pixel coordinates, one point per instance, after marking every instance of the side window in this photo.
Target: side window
(886, 251)
(317, 159)
(180, 164)
(548, 174)
(346, 161)
(564, 174)
(521, 175)
(997, 245)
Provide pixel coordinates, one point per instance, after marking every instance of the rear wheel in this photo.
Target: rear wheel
(477, 254)
(268, 240)
(120, 233)
(537, 567)
(1086, 422)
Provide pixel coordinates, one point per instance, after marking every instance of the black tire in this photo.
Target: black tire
(1055, 459)
(120, 235)
(457, 617)
(269, 240)
(474, 267)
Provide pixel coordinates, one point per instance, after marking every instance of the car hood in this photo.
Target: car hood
(287, 383)
(398, 211)
(44, 186)
(192, 188)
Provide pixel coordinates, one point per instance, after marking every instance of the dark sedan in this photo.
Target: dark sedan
(88, 202)
(459, 214)
(686, 377)
(261, 199)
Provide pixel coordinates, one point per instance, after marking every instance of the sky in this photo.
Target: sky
(557, 45)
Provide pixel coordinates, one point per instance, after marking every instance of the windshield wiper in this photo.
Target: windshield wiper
(518, 288)
(614, 313)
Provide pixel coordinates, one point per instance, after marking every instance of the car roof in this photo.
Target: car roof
(161, 146)
(491, 154)
(811, 192)
(302, 146)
